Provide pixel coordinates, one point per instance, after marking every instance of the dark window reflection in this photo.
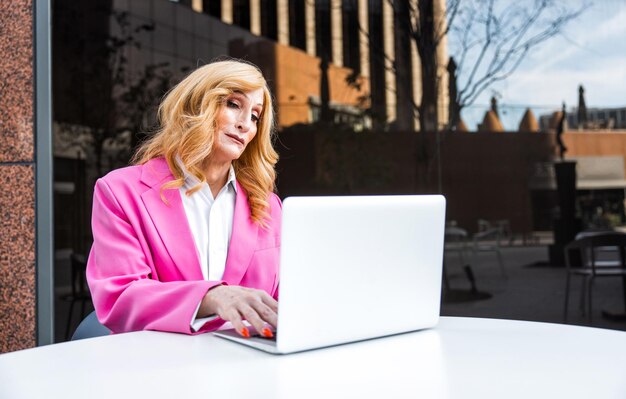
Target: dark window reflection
(377, 65)
(212, 7)
(269, 27)
(241, 13)
(323, 42)
(297, 24)
(350, 24)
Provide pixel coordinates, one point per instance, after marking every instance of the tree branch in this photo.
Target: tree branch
(508, 37)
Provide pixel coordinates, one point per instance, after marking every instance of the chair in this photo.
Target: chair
(602, 254)
(487, 239)
(503, 225)
(90, 327)
(80, 291)
(456, 242)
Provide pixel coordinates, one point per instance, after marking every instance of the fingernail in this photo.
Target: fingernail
(267, 332)
(245, 332)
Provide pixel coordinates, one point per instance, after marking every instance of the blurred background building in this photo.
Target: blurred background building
(596, 119)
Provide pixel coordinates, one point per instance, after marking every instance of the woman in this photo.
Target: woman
(189, 236)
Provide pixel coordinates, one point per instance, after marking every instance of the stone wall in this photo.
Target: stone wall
(17, 178)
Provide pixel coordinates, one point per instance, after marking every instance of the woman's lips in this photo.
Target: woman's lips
(235, 138)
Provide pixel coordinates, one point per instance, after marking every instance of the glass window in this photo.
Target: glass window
(297, 24)
(350, 24)
(241, 13)
(212, 7)
(323, 43)
(269, 21)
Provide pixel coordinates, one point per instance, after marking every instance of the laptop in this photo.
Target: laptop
(354, 268)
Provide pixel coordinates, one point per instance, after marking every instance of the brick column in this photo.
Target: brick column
(390, 56)
(227, 11)
(309, 20)
(336, 26)
(282, 18)
(255, 17)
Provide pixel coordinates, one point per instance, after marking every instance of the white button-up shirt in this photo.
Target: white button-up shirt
(211, 223)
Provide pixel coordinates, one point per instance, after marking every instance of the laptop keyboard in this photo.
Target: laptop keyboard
(264, 338)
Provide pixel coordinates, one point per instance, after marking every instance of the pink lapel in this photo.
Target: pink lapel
(170, 219)
(243, 240)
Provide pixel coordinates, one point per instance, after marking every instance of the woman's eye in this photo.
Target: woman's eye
(231, 104)
(255, 118)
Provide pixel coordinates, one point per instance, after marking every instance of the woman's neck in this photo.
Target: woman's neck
(216, 175)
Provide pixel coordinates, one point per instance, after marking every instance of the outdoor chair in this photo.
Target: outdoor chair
(79, 290)
(601, 254)
(488, 239)
(456, 242)
(503, 225)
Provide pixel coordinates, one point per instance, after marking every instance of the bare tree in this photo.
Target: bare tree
(493, 38)
(426, 26)
(428, 30)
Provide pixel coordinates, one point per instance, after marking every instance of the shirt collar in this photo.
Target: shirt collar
(191, 180)
(231, 178)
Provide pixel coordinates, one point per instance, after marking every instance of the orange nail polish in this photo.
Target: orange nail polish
(267, 333)
(245, 332)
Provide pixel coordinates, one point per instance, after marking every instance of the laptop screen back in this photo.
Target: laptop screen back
(358, 267)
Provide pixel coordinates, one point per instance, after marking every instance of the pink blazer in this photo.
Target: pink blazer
(144, 270)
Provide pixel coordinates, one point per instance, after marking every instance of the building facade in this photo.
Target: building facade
(597, 119)
(370, 65)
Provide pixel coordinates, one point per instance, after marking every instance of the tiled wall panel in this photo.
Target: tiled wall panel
(16, 81)
(17, 178)
(17, 257)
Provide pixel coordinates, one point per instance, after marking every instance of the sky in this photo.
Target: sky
(591, 51)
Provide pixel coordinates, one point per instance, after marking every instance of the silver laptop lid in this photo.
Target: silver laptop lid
(358, 267)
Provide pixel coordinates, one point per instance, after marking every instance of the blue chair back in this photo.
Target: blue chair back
(90, 327)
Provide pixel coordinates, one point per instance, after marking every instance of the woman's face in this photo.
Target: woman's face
(237, 122)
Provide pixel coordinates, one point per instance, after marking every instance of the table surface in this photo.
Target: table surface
(460, 358)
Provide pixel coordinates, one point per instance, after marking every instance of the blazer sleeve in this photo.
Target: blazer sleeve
(277, 220)
(126, 294)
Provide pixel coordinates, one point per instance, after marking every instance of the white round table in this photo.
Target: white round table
(460, 358)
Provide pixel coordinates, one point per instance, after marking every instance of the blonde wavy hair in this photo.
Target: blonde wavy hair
(187, 127)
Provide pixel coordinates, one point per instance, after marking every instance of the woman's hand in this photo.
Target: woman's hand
(234, 303)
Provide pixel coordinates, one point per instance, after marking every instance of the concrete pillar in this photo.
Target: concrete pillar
(364, 38)
(443, 103)
(255, 17)
(196, 5)
(416, 69)
(336, 32)
(309, 20)
(389, 49)
(417, 82)
(19, 168)
(282, 9)
(227, 11)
